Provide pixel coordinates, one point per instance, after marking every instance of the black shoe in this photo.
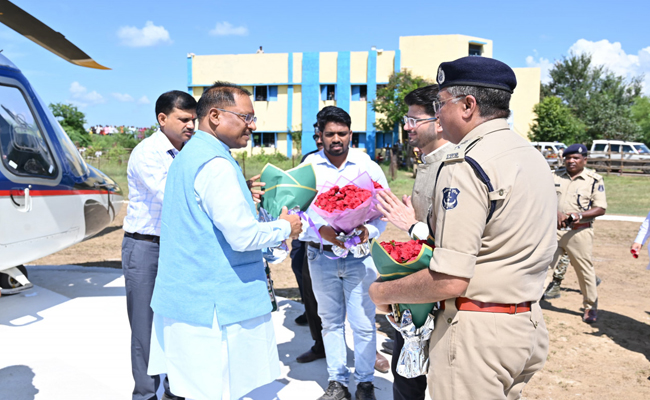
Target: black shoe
(171, 397)
(301, 320)
(598, 280)
(336, 391)
(309, 356)
(387, 346)
(365, 391)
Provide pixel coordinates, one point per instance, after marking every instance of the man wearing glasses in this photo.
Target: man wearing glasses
(494, 219)
(410, 214)
(341, 285)
(213, 334)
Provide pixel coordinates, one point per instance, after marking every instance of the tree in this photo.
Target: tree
(390, 99)
(556, 122)
(599, 98)
(641, 115)
(72, 121)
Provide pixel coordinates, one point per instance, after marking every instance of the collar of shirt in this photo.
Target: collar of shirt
(486, 128)
(163, 144)
(431, 157)
(225, 146)
(354, 157)
(583, 175)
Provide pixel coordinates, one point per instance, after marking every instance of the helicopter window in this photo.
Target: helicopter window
(22, 145)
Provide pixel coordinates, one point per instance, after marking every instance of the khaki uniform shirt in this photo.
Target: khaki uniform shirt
(425, 180)
(506, 258)
(578, 195)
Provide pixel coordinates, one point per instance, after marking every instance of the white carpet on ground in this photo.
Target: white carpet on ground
(69, 338)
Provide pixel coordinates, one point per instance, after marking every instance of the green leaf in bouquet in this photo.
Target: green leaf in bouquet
(389, 269)
(292, 188)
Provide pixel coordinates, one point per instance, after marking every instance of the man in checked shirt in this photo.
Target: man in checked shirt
(147, 174)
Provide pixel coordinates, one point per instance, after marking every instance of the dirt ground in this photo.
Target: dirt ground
(607, 360)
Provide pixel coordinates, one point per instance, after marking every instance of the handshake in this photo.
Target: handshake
(294, 220)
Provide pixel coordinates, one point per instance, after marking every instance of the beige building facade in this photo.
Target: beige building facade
(288, 89)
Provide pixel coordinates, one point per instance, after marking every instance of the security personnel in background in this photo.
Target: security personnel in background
(493, 216)
(580, 199)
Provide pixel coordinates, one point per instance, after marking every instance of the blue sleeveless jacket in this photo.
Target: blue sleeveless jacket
(198, 272)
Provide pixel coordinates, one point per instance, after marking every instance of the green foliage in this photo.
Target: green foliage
(390, 99)
(72, 121)
(556, 122)
(296, 138)
(641, 115)
(596, 96)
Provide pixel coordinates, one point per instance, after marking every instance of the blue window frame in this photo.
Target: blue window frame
(265, 93)
(327, 92)
(359, 92)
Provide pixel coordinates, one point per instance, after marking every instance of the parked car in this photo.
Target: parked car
(552, 151)
(619, 149)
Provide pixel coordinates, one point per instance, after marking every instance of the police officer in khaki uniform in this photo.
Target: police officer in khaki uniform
(494, 217)
(410, 214)
(580, 199)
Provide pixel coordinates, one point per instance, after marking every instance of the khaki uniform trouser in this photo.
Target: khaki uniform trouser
(578, 245)
(481, 355)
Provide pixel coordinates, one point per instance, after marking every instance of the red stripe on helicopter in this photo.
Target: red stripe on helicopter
(5, 193)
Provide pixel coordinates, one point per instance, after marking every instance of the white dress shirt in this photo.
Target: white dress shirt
(644, 231)
(356, 163)
(147, 174)
(219, 195)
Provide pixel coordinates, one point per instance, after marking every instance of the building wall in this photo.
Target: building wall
(423, 54)
(524, 98)
(299, 77)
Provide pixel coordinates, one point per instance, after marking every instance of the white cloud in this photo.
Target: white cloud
(543, 64)
(82, 97)
(150, 35)
(144, 100)
(123, 97)
(612, 56)
(227, 29)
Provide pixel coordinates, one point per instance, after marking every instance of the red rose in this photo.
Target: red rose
(403, 252)
(377, 185)
(347, 197)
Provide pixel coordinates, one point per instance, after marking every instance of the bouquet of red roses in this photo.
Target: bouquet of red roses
(414, 322)
(346, 204)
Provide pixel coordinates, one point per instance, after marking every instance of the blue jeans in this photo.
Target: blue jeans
(341, 286)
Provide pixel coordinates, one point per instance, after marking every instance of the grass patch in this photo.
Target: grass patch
(627, 195)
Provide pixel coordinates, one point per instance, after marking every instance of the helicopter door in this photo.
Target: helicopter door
(29, 174)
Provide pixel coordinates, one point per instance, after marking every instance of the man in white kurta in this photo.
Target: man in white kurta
(213, 333)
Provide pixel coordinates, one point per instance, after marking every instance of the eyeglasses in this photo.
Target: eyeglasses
(248, 118)
(316, 137)
(411, 122)
(437, 104)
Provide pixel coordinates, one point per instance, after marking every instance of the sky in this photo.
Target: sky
(145, 43)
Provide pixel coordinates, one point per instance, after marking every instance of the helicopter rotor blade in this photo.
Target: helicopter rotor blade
(36, 31)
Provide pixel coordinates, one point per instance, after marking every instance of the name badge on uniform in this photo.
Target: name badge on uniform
(450, 198)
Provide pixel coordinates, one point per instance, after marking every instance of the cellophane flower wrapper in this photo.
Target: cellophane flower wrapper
(294, 189)
(413, 360)
(347, 220)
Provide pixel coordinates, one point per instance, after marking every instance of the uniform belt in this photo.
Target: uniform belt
(326, 247)
(465, 304)
(146, 238)
(575, 227)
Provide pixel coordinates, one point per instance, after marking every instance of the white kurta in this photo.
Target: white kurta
(228, 361)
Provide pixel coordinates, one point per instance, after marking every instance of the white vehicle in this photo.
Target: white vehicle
(621, 150)
(552, 151)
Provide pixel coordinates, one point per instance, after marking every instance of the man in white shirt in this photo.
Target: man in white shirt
(410, 214)
(341, 285)
(147, 174)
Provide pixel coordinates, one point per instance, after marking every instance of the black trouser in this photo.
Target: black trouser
(297, 255)
(140, 266)
(311, 306)
(405, 388)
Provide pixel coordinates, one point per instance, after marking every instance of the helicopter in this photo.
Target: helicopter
(50, 198)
